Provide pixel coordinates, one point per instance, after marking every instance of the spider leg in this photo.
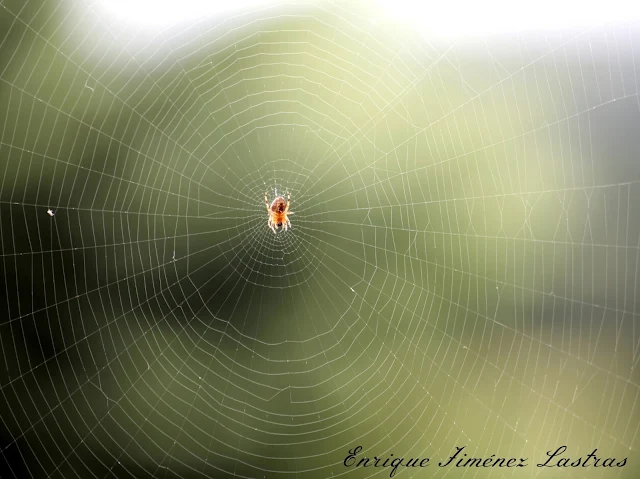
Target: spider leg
(266, 201)
(288, 202)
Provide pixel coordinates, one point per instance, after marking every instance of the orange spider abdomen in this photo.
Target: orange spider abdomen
(278, 208)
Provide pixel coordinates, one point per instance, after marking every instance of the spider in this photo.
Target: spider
(278, 212)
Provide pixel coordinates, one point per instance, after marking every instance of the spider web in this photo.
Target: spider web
(462, 268)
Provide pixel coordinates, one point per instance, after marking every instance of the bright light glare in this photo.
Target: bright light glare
(469, 17)
(167, 12)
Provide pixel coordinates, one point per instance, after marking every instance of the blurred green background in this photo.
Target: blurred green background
(462, 268)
